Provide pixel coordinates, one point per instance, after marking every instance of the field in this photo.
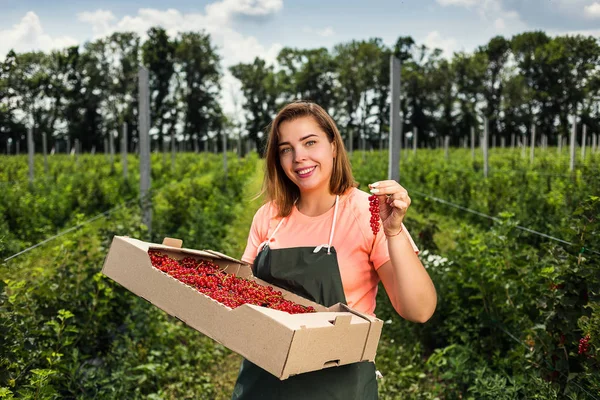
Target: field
(515, 259)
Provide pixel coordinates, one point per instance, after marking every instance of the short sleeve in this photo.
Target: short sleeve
(380, 253)
(257, 235)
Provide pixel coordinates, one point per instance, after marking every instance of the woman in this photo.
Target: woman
(313, 237)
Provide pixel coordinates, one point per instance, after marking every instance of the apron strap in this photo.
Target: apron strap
(266, 242)
(318, 248)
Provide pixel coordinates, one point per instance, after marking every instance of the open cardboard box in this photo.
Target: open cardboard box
(283, 344)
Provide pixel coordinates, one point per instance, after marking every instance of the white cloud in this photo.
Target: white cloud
(435, 40)
(494, 12)
(325, 32)
(583, 32)
(99, 19)
(225, 9)
(28, 35)
(592, 11)
(233, 46)
(464, 3)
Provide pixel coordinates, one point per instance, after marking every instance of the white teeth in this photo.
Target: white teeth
(305, 171)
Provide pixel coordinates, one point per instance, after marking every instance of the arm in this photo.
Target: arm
(406, 281)
(256, 235)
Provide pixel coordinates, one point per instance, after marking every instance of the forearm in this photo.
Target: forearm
(413, 293)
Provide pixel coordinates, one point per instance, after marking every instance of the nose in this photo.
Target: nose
(299, 154)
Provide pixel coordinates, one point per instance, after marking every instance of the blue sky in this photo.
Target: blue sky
(244, 29)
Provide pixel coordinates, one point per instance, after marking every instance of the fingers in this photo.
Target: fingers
(389, 187)
(400, 204)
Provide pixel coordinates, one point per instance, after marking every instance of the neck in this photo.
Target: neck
(313, 204)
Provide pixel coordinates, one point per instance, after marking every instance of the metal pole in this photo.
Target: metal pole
(415, 136)
(531, 154)
(173, 149)
(583, 142)
(572, 144)
(485, 146)
(30, 150)
(395, 144)
(446, 145)
(560, 143)
(144, 140)
(473, 143)
(224, 153)
(111, 145)
(124, 150)
(45, 150)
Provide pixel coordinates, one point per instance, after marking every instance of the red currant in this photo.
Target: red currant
(227, 289)
(374, 209)
(584, 344)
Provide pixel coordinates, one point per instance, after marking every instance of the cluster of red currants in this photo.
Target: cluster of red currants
(227, 289)
(584, 344)
(374, 208)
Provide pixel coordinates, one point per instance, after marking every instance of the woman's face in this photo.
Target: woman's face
(305, 153)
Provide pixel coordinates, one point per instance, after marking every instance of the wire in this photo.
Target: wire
(497, 219)
(104, 214)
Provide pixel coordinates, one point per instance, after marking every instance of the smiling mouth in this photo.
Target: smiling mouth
(305, 171)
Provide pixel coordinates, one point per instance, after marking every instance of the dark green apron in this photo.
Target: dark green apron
(315, 276)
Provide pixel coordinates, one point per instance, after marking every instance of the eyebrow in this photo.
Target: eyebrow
(301, 139)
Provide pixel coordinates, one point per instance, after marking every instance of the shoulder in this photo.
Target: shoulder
(356, 208)
(357, 201)
(266, 212)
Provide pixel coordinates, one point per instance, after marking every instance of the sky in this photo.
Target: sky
(245, 29)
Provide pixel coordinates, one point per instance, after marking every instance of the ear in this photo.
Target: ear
(334, 149)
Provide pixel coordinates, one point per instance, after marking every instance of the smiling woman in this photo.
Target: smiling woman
(302, 157)
(306, 156)
(314, 237)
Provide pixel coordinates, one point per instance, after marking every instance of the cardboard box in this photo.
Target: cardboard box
(283, 344)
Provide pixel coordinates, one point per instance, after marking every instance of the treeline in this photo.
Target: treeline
(88, 92)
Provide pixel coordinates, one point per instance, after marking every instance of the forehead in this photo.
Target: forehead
(298, 128)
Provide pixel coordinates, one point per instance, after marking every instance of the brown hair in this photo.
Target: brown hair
(276, 185)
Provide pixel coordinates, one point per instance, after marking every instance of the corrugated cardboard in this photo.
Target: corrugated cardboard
(279, 342)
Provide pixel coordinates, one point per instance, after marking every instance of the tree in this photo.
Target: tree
(158, 54)
(260, 88)
(496, 53)
(355, 63)
(469, 70)
(307, 74)
(10, 128)
(199, 74)
(524, 47)
(121, 101)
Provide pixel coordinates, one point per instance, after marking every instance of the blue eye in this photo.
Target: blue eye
(310, 142)
(284, 150)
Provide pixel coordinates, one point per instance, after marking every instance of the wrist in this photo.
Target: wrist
(392, 234)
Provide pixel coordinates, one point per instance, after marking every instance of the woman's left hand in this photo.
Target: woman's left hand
(393, 204)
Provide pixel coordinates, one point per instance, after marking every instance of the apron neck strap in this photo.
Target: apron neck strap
(318, 248)
(337, 200)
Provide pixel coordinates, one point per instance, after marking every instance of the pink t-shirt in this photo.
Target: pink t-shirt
(359, 253)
